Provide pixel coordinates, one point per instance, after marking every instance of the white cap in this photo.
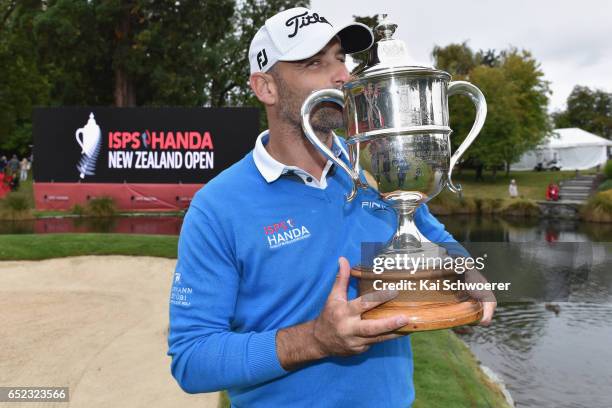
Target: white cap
(300, 33)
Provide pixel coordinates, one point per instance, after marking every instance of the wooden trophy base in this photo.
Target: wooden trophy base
(433, 308)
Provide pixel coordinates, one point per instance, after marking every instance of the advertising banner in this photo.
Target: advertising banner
(145, 158)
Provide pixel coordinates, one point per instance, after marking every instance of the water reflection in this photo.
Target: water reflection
(158, 225)
(542, 271)
(469, 228)
(549, 359)
(549, 354)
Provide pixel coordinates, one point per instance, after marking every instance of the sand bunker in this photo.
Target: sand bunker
(95, 324)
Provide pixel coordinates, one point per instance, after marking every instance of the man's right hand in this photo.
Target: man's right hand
(340, 330)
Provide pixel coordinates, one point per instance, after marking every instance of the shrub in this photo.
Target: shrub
(16, 206)
(606, 185)
(16, 202)
(608, 169)
(441, 204)
(520, 208)
(489, 205)
(599, 207)
(467, 205)
(447, 203)
(101, 207)
(99, 224)
(77, 209)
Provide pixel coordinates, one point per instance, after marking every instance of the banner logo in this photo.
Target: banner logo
(89, 138)
(153, 149)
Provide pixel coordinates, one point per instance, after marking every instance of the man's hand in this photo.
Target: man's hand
(487, 313)
(339, 329)
(486, 297)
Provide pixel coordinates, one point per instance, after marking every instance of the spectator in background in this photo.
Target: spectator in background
(24, 166)
(13, 165)
(12, 182)
(5, 188)
(3, 163)
(552, 192)
(513, 189)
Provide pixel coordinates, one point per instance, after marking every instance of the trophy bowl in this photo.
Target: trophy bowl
(398, 139)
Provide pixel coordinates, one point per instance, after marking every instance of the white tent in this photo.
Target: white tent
(572, 148)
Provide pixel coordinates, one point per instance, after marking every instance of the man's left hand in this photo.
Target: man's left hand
(487, 313)
(486, 297)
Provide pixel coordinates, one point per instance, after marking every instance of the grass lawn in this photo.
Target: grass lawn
(45, 246)
(531, 184)
(445, 375)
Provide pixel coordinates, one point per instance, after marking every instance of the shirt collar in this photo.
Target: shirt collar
(271, 169)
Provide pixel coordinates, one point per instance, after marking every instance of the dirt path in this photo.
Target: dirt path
(94, 324)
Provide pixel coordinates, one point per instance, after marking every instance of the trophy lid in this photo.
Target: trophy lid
(390, 55)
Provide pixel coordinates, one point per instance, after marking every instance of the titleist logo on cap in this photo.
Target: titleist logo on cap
(303, 20)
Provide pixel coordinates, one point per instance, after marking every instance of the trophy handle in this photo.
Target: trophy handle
(317, 97)
(476, 96)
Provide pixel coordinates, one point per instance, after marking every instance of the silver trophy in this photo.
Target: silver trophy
(397, 132)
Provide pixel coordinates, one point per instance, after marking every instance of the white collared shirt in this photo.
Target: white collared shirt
(271, 169)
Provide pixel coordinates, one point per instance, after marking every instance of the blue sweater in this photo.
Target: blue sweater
(255, 257)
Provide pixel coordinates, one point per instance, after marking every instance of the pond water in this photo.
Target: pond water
(158, 225)
(555, 353)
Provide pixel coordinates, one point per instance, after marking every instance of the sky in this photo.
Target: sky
(572, 40)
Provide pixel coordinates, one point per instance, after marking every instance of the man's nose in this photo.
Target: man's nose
(341, 75)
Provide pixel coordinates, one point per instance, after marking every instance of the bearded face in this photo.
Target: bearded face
(324, 118)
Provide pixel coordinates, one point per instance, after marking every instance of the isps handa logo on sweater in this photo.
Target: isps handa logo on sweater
(285, 232)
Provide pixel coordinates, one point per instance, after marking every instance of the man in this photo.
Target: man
(262, 302)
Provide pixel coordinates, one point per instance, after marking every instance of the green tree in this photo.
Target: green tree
(72, 46)
(456, 59)
(227, 60)
(587, 109)
(124, 53)
(532, 93)
(22, 86)
(500, 128)
(517, 99)
(130, 53)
